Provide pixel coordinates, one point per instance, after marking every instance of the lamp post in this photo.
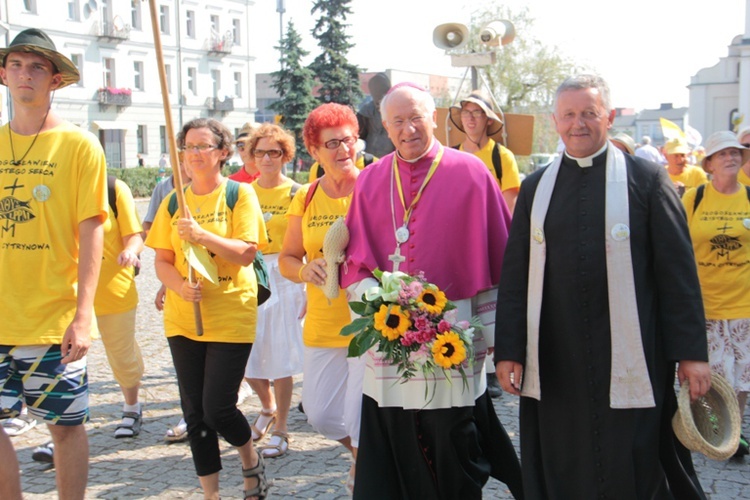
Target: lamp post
(280, 8)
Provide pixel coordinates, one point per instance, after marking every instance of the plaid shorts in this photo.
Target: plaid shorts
(52, 391)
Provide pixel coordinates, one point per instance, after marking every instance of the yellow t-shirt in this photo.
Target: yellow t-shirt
(39, 239)
(116, 292)
(275, 203)
(324, 320)
(691, 177)
(720, 230)
(743, 178)
(510, 176)
(229, 308)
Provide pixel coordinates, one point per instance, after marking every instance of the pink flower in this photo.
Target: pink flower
(444, 326)
(415, 288)
(408, 338)
(421, 323)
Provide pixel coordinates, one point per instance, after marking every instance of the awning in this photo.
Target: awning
(115, 125)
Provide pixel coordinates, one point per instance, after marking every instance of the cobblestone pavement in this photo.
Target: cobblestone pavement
(147, 467)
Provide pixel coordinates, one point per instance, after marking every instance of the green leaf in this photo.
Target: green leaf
(358, 308)
(356, 326)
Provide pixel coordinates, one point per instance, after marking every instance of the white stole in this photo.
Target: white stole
(630, 386)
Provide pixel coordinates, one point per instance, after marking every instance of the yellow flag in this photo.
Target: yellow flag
(198, 258)
(671, 130)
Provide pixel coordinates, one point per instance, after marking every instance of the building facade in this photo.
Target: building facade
(207, 64)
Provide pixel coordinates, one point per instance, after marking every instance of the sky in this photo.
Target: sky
(646, 49)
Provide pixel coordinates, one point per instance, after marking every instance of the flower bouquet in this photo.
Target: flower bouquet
(413, 325)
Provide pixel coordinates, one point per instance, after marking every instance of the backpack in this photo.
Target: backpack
(497, 162)
(259, 264)
(699, 195)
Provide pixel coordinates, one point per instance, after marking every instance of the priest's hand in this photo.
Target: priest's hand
(510, 374)
(698, 375)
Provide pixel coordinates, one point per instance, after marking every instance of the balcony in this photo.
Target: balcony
(113, 96)
(218, 45)
(216, 104)
(114, 30)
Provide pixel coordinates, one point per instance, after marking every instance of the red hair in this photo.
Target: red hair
(325, 116)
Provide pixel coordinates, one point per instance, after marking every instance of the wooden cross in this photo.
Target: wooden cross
(396, 258)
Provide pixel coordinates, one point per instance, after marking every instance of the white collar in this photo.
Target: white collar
(589, 160)
(415, 160)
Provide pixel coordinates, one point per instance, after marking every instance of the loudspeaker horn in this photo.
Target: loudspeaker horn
(497, 33)
(450, 36)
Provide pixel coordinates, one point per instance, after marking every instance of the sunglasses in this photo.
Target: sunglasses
(272, 153)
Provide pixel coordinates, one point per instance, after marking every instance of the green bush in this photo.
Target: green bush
(140, 180)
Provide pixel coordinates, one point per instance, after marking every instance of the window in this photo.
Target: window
(141, 138)
(135, 14)
(164, 19)
(168, 72)
(29, 6)
(78, 61)
(73, 10)
(138, 75)
(192, 83)
(162, 139)
(215, 25)
(109, 71)
(236, 31)
(190, 23)
(216, 81)
(238, 84)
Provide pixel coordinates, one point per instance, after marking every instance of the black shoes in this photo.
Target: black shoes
(493, 386)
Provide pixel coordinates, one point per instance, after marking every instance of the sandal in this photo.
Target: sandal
(130, 426)
(178, 433)
(259, 471)
(277, 446)
(260, 433)
(18, 425)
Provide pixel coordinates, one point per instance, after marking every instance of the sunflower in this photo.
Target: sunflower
(432, 300)
(392, 321)
(448, 350)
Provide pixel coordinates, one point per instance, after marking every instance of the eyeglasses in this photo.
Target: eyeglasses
(415, 121)
(240, 146)
(336, 143)
(746, 144)
(476, 114)
(199, 148)
(272, 153)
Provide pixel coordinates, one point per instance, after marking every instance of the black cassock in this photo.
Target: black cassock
(573, 445)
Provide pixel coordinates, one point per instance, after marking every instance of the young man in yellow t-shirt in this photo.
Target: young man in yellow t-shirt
(55, 203)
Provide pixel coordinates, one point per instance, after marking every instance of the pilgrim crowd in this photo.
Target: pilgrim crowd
(611, 275)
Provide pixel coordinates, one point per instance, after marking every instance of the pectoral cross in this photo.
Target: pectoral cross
(396, 258)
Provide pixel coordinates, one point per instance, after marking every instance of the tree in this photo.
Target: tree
(527, 73)
(339, 80)
(294, 83)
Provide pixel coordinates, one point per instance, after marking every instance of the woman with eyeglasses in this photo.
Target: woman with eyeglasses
(744, 137)
(226, 219)
(277, 351)
(718, 215)
(332, 386)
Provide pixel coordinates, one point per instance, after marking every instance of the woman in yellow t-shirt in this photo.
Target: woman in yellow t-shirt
(210, 367)
(277, 351)
(332, 386)
(719, 220)
(116, 301)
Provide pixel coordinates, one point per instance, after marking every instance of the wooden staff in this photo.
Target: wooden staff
(173, 157)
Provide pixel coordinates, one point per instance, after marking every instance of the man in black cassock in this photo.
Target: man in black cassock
(554, 335)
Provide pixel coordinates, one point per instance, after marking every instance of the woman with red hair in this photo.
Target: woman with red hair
(332, 386)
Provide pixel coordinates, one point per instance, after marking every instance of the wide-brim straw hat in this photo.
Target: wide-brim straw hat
(625, 140)
(482, 100)
(723, 140)
(711, 425)
(38, 42)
